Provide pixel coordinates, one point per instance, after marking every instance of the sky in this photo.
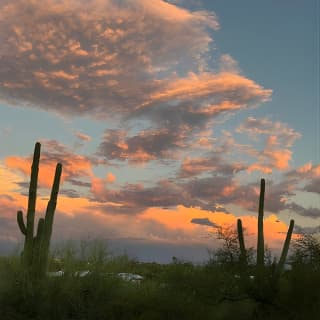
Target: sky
(165, 115)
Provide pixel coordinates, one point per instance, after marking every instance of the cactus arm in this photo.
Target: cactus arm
(37, 245)
(48, 221)
(243, 254)
(52, 202)
(28, 247)
(260, 242)
(21, 224)
(285, 250)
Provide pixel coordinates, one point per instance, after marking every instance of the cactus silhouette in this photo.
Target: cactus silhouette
(260, 243)
(36, 248)
(243, 252)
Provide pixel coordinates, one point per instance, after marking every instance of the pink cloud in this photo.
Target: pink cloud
(110, 177)
(207, 85)
(277, 133)
(82, 136)
(107, 59)
(78, 57)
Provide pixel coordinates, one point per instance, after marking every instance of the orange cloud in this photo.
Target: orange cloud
(316, 170)
(110, 177)
(170, 225)
(82, 136)
(259, 167)
(305, 168)
(279, 158)
(207, 84)
(180, 218)
(92, 55)
(74, 166)
(46, 170)
(278, 133)
(98, 187)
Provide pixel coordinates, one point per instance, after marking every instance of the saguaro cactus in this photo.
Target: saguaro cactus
(36, 248)
(260, 241)
(243, 252)
(284, 252)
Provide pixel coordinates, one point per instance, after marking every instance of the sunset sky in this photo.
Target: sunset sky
(165, 115)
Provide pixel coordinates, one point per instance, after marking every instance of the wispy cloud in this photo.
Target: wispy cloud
(277, 133)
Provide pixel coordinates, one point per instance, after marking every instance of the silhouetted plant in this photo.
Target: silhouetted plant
(36, 248)
(306, 252)
(260, 267)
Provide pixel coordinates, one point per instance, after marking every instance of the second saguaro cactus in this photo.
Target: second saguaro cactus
(260, 242)
(36, 248)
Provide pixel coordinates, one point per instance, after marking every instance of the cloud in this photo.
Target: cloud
(146, 146)
(203, 221)
(117, 59)
(78, 57)
(75, 167)
(313, 186)
(310, 212)
(277, 138)
(71, 193)
(82, 136)
(110, 177)
(213, 164)
(213, 191)
(222, 92)
(228, 64)
(307, 174)
(306, 230)
(143, 209)
(278, 133)
(270, 159)
(133, 198)
(133, 61)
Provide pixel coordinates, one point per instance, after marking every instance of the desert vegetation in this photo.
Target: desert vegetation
(236, 282)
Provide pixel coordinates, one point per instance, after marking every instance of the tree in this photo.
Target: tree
(229, 252)
(306, 251)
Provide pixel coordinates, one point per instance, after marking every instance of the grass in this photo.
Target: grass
(174, 291)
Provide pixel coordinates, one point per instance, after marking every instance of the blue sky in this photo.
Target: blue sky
(162, 117)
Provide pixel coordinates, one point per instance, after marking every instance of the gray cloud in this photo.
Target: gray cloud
(306, 230)
(214, 164)
(147, 145)
(6, 197)
(79, 183)
(310, 212)
(307, 174)
(70, 193)
(204, 222)
(313, 185)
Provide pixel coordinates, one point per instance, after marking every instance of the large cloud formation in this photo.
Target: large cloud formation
(100, 57)
(84, 57)
(143, 60)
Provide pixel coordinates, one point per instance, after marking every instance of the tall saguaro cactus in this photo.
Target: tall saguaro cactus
(243, 252)
(36, 248)
(260, 242)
